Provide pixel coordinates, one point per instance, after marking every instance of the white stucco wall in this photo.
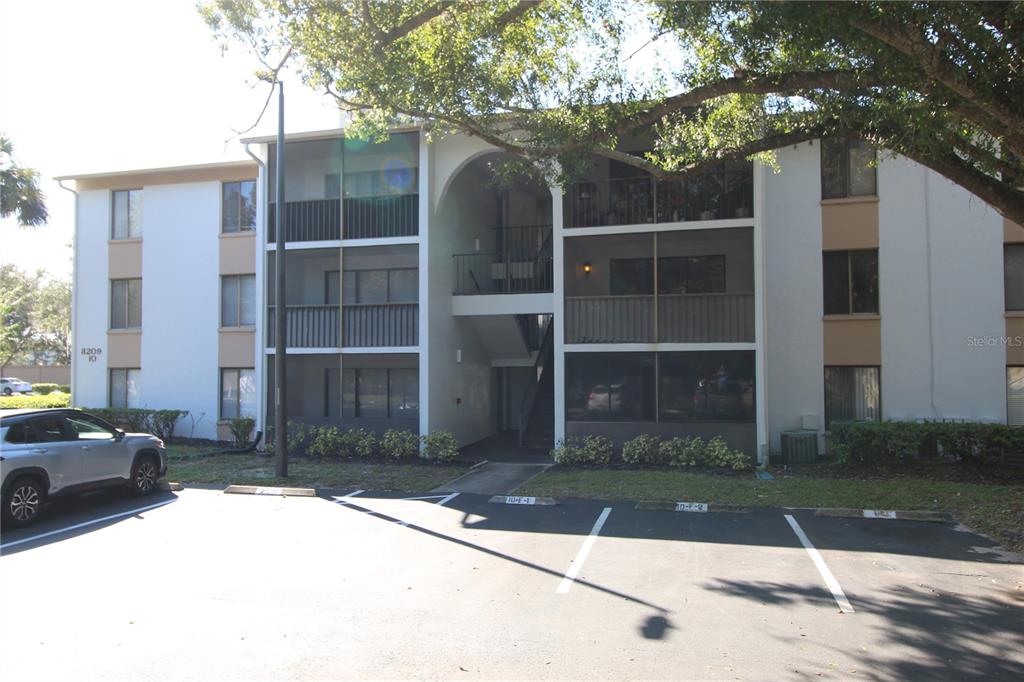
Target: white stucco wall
(92, 299)
(794, 352)
(181, 302)
(935, 235)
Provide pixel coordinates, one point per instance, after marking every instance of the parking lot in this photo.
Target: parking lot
(199, 584)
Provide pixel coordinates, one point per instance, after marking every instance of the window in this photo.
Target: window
(852, 394)
(86, 427)
(1015, 396)
(1013, 276)
(630, 277)
(706, 386)
(127, 214)
(380, 393)
(238, 206)
(691, 275)
(332, 295)
(237, 393)
(381, 286)
(124, 388)
(125, 303)
(47, 430)
(610, 386)
(847, 169)
(850, 282)
(238, 300)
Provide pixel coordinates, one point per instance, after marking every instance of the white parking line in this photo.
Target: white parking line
(342, 499)
(581, 556)
(84, 524)
(819, 563)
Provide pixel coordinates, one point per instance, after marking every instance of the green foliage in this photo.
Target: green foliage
(695, 452)
(160, 423)
(44, 389)
(400, 444)
(555, 82)
(364, 442)
(20, 194)
(592, 450)
(644, 450)
(241, 430)
(440, 446)
(64, 388)
(327, 441)
(36, 317)
(892, 442)
(35, 402)
(299, 438)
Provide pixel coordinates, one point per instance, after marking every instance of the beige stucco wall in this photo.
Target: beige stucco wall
(124, 348)
(853, 341)
(124, 258)
(134, 180)
(1012, 232)
(849, 224)
(237, 348)
(238, 253)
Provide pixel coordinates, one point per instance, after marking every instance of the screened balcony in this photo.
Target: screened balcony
(349, 189)
(519, 262)
(617, 194)
(700, 291)
(380, 297)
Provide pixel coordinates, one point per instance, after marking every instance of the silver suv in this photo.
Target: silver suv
(50, 453)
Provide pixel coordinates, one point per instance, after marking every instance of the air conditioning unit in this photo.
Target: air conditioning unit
(799, 445)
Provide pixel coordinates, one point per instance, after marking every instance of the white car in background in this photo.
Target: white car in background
(12, 385)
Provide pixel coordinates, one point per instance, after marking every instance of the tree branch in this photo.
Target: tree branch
(410, 24)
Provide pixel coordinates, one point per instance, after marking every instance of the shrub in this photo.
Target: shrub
(161, 423)
(241, 430)
(44, 389)
(644, 450)
(717, 453)
(364, 442)
(64, 388)
(23, 402)
(326, 442)
(587, 450)
(130, 419)
(895, 442)
(440, 446)
(685, 452)
(400, 444)
(300, 436)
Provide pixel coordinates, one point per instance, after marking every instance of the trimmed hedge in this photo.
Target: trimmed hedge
(332, 442)
(587, 450)
(160, 423)
(35, 402)
(647, 450)
(44, 389)
(894, 442)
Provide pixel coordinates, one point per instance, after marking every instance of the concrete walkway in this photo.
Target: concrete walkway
(493, 478)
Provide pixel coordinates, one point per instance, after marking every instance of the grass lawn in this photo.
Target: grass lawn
(996, 510)
(379, 475)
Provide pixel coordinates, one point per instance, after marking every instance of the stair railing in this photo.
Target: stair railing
(540, 364)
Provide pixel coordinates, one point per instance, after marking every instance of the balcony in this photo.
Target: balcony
(681, 318)
(381, 217)
(637, 200)
(316, 220)
(378, 325)
(307, 326)
(521, 263)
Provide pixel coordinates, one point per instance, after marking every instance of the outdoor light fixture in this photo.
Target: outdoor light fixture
(587, 268)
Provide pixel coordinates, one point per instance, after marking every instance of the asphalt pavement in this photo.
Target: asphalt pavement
(201, 585)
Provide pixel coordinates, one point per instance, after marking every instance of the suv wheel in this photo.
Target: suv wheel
(7, 390)
(23, 502)
(144, 475)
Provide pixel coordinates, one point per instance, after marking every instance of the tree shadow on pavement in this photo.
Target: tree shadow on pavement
(926, 634)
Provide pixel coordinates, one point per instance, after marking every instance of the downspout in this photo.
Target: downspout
(261, 328)
(74, 290)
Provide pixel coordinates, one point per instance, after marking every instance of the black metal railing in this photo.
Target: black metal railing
(307, 326)
(540, 365)
(638, 200)
(379, 217)
(380, 324)
(520, 263)
(307, 221)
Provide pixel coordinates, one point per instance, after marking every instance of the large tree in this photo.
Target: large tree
(20, 194)
(35, 318)
(553, 80)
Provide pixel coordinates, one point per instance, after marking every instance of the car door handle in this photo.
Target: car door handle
(86, 447)
(39, 451)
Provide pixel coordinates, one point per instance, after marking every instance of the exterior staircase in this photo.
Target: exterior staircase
(537, 411)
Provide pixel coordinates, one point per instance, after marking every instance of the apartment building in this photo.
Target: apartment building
(423, 292)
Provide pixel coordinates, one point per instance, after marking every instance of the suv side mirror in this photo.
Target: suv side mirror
(119, 435)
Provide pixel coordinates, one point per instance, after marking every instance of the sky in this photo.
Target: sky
(114, 85)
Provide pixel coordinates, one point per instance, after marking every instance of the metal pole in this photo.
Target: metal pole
(280, 322)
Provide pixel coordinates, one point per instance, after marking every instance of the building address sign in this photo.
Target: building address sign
(92, 353)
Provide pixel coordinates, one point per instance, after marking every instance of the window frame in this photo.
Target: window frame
(127, 303)
(685, 261)
(1008, 406)
(847, 173)
(238, 392)
(824, 383)
(128, 218)
(239, 228)
(355, 286)
(241, 324)
(388, 394)
(849, 284)
(110, 386)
